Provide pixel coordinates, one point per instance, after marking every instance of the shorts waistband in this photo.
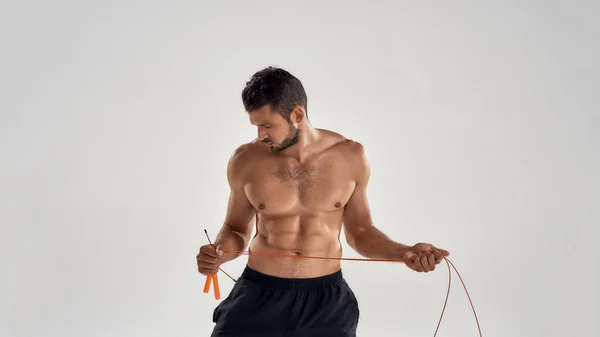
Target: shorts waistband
(292, 283)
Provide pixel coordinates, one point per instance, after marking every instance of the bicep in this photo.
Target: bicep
(357, 214)
(240, 211)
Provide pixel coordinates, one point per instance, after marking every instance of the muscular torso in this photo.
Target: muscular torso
(299, 209)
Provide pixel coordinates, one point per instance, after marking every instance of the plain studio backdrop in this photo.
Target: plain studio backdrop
(481, 122)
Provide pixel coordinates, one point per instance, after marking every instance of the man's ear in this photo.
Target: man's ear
(297, 115)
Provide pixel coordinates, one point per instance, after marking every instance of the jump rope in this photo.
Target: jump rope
(214, 280)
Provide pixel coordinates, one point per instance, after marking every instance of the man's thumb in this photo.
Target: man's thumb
(408, 255)
(219, 250)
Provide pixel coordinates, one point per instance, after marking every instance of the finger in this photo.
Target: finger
(208, 266)
(204, 265)
(438, 256)
(207, 271)
(431, 261)
(424, 262)
(409, 262)
(417, 263)
(443, 251)
(207, 259)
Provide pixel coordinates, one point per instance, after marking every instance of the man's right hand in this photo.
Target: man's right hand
(209, 259)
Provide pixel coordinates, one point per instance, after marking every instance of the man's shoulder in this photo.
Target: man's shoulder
(354, 155)
(240, 160)
(243, 153)
(344, 144)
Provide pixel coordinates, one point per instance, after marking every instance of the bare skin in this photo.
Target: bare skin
(301, 197)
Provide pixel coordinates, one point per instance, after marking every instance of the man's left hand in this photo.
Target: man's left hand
(423, 257)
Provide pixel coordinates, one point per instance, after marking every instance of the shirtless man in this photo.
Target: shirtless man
(303, 185)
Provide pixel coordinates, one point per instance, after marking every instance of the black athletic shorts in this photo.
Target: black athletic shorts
(268, 306)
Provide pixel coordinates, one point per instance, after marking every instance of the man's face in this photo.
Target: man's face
(273, 129)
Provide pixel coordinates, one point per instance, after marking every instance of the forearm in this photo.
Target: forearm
(374, 244)
(231, 239)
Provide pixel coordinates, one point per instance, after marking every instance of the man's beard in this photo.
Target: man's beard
(291, 139)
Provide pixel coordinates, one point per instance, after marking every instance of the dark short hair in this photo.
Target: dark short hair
(276, 87)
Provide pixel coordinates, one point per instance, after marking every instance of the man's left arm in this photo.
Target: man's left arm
(367, 239)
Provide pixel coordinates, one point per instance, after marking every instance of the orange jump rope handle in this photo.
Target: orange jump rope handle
(216, 286)
(214, 279)
(207, 283)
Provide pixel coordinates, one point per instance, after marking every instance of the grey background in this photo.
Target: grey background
(480, 120)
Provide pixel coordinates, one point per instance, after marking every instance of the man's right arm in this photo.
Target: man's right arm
(237, 228)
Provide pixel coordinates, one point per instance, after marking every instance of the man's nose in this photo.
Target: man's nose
(262, 135)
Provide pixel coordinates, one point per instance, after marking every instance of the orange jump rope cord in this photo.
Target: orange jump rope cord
(245, 252)
(448, 263)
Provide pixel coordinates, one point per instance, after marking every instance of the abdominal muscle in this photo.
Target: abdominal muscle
(297, 235)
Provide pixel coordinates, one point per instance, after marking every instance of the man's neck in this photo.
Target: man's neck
(304, 147)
